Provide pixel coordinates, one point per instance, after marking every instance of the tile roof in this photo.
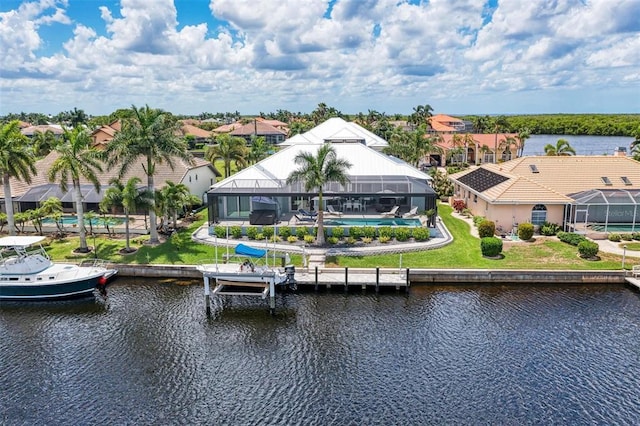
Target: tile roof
(256, 127)
(554, 178)
(481, 139)
(42, 128)
(336, 130)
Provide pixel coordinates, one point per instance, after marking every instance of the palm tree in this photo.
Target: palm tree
(149, 135)
(635, 145)
(43, 143)
(505, 146)
(469, 141)
(16, 161)
(259, 150)
(498, 124)
(228, 149)
(316, 171)
(522, 136)
(175, 197)
(561, 148)
(77, 159)
(129, 198)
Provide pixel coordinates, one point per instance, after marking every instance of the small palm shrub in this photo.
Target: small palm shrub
(549, 229)
(356, 232)
(252, 233)
(351, 240)
(309, 239)
(301, 232)
(491, 246)
(486, 228)
(421, 234)
(220, 231)
(525, 231)
(284, 232)
(367, 240)
(259, 236)
(268, 231)
(570, 238)
(337, 232)
(403, 234)
(292, 239)
(614, 237)
(477, 220)
(384, 239)
(236, 231)
(385, 231)
(332, 240)
(588, 249)
(626, 237)
(369, 232)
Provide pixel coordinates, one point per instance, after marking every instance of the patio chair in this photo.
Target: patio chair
(332, 211)
(391, 213)
(411, 213)
(305, 218)
(306, 213)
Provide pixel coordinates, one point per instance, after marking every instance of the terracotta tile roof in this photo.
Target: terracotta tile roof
(481, 139)
(274, 123)
(551, 179)
(31, 130)
(226, 128)
(188, 129)
(257, 127)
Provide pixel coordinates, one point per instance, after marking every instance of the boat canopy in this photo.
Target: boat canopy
(244, 250)
(20, 241)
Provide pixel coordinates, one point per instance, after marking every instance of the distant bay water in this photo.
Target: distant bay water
(584, 145)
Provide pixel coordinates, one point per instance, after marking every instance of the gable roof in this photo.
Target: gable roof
(481, 139)
(337, 130)
(256, 127)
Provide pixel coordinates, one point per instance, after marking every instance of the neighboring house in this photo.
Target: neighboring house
(30, 131)
(376, 180)
(481, 151)
(338, 131)
(102, 135)
(441, 123)
(256, 128)
(571, 191)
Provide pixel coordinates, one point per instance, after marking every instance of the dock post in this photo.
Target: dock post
(272, 296)
(408, 281)
(346, 279)
(316, 278)
(207, 304)
(377, 279)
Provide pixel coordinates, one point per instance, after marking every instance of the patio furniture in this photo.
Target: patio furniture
(304, 212)
(304, 218)
(411, 213)
(391, 213)
(332, 211)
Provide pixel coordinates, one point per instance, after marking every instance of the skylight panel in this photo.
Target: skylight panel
(534, 168)
(606, 180)
(626, 180)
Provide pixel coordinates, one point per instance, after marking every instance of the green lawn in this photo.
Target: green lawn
(462, 253)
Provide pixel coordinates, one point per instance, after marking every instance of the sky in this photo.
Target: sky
(193, 56)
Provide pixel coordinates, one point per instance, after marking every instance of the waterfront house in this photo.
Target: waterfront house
(575, 192)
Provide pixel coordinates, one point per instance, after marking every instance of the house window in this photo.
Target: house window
(189, 178)
(538, 214)
(196, 178)
(475, 198)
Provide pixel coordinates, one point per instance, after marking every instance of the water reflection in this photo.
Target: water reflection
(446, 354)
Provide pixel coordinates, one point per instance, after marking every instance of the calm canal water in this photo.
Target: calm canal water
(563, 354)
(584, 145)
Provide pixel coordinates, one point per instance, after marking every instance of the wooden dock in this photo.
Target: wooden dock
(634, 282)
(346, 278)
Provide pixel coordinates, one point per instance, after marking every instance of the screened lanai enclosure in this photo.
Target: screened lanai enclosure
(236, 199)
(36, 195)
(614, 210)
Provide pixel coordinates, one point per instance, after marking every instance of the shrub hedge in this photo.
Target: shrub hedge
(491, 246)
(486, 228)
(525, 231)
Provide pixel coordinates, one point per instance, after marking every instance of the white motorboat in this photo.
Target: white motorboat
(27, 272)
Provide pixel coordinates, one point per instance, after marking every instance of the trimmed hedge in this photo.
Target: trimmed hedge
(570, 238)
(486, 228)
(421, 234)
(491, 246)
(588, 249)
(525, 231)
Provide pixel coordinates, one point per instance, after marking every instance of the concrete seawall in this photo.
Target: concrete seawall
(416, 276)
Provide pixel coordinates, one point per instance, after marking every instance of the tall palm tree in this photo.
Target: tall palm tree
(16, 161)
(469, 141)
(561, 148)
(149, 135)
(77, 159)
(259, 150)
(634, 148)
(521, 138)
(505, 146)
(43, 143)
(498, 124)
(129, 198)
(228, 149)
(175, 197)
(317, 170)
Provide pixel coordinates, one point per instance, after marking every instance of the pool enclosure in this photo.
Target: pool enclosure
(607, 209)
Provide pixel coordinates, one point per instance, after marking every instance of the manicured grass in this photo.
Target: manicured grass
(464, 253)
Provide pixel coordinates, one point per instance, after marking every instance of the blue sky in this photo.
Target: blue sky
(192, 56)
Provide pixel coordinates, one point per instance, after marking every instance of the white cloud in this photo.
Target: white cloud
(364, 54)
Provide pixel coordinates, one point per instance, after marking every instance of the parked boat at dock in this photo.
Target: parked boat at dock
(27, 272)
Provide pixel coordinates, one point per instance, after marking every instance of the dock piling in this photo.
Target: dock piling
(207, 296)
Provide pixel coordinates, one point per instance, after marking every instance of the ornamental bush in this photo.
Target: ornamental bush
(421, 234)
(570, 238)
(268, 232)
(525, 231)
(356, 232)
(486, 228)
(491, 246)
(301, 232)
(309, 239)
(588, 249)
(369, 232)
(614, 237)
(220, 231)
(477, 220)
(292, 239)
(252, 232)
(403, 234)
(459, 205)
(337, 232)
(284, 232)
(236, 231)
(385, 231)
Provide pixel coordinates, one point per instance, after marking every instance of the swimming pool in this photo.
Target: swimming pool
(615, 227)
(372, 221)
(98, 221)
